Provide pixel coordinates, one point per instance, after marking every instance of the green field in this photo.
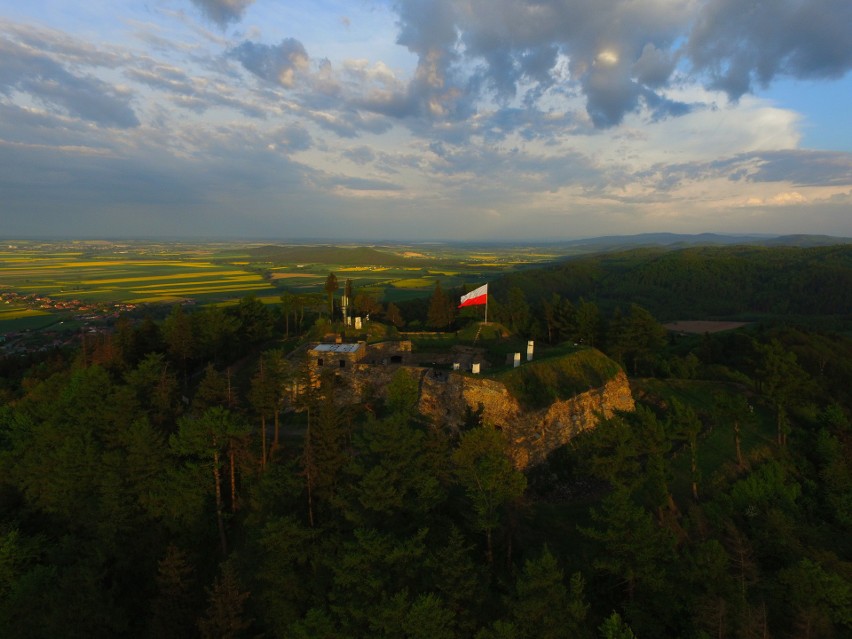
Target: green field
(15, 317)
(103, 272)
(131, 280)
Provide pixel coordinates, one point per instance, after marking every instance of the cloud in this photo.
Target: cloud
(496, 58)
(739, 44)
(515, 51)
(804, 168)
(804, 174)
(536, 117)
(195, 93)
(359, 155)
(622, 54)
(788, 198)
(223, 12)
(360, 184)
(277, 64)
(49, 82)
(291, 139)
(654, 67)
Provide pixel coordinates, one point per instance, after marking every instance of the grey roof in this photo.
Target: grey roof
(337, 348)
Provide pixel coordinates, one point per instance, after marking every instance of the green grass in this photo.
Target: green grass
(539, 383)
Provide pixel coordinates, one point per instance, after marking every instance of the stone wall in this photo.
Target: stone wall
(532, 434)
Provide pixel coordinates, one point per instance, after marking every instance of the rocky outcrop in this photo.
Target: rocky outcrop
(535, 426)
(533, 434)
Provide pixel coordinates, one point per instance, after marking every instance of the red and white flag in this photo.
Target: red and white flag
(475, 297)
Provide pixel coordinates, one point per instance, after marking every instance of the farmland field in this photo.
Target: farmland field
(16, 317)
(136, 272)
(121, 276)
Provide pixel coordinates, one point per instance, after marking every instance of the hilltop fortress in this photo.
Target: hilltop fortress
(540, 405)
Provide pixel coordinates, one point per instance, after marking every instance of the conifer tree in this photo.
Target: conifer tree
(488, 477)
(173, 610)
(440, 313)
(225, 617)
(207, 438)
(542, 607)
(331, 287)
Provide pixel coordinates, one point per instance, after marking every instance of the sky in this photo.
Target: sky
(421, 120)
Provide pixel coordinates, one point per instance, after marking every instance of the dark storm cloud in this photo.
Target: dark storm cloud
(742, 43)
(48, 81)
(277, 64)
(223, 12)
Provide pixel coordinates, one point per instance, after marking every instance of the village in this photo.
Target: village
(72, 319)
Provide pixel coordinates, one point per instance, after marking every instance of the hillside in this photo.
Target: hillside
(611, 243)
(701, 282)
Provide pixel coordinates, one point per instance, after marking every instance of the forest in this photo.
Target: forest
(703, 282)
(182, 477)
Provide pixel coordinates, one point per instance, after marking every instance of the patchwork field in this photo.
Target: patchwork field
(103, 272)
(63, 276)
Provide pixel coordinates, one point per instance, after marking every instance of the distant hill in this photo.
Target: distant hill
(325, 254)
(807, 240)
(700, 282)
(676, 240)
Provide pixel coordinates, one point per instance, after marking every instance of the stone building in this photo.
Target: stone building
(336, 356)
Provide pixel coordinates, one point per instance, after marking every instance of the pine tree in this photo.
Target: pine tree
(488, 477)
(173, 609)
(225, 618)
(331, 287)
(542, 607)
(440, 313)
(209, 437)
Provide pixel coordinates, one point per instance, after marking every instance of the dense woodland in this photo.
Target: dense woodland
(703, 282)
(180, 478)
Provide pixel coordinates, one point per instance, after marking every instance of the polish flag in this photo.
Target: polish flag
(475, 297)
